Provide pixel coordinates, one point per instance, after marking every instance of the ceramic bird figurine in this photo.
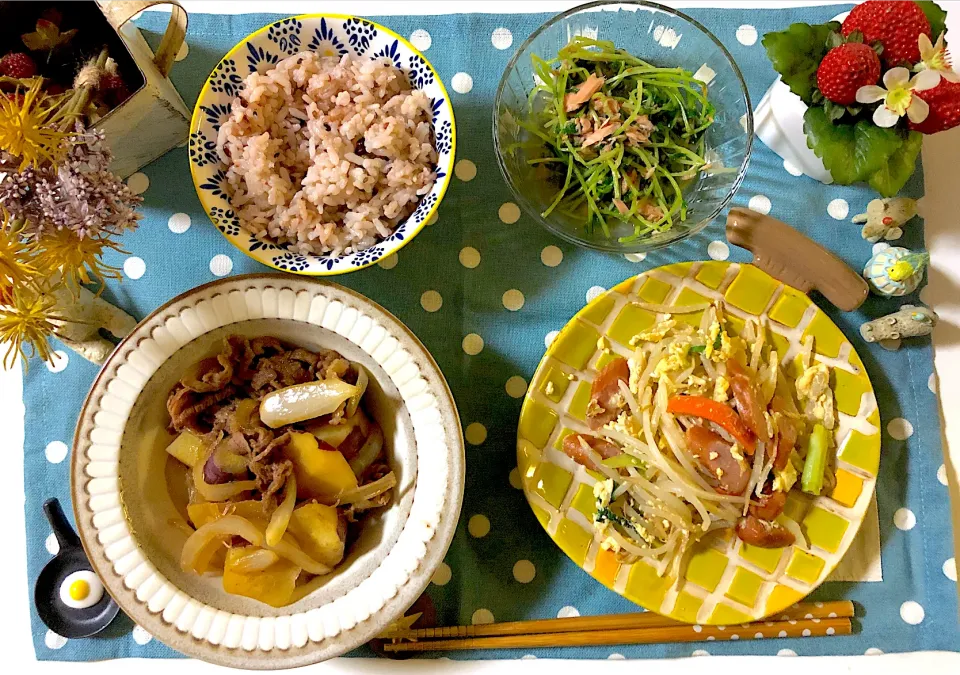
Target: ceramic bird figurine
(885, 218)
(895, 271)
(909, 321)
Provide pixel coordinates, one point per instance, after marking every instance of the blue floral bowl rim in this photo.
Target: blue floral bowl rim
(205, 90)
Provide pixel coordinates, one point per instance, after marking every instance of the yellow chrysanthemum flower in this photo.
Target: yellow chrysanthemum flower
(29, 127)
(27, 319)
(77, 259)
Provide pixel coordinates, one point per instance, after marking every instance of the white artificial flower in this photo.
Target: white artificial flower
(898, 96)
(934, 57)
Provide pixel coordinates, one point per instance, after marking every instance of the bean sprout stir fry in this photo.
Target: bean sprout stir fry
(702, 430)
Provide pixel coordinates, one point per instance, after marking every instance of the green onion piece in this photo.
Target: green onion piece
(622, 460)
(816, 463)
(699, 349)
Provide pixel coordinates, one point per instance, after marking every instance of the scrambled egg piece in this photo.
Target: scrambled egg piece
(625, 424)
(550, 388)
(721, 389)
(636, 364)
(610, 544)
(784, 480)
(729, 346)
(736, 452)
(772, 423)
(813, 387)
(711, 339)
(655, 333)
(602, 492)
(677, 358)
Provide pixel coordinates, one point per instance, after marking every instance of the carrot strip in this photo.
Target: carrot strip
(719, 413)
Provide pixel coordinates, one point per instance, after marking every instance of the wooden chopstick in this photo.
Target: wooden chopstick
(639, 620)
(636, 636)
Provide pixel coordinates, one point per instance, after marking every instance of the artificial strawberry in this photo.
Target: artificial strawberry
(113, 89)
(845, 69)
(896, 24)
(17, 64)
(944, 102)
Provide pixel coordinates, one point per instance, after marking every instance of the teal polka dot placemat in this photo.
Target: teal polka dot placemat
(485, 289)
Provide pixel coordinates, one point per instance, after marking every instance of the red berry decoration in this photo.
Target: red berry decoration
(845, 69)
(17, 64)
(944, 102)
(114, 89)
(896, 24)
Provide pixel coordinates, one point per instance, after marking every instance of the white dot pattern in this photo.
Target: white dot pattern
(431, 301)
(568, 612)
(595, 292)
(465, 170)
(475, 433)
(899, 429)
(524, 571)
(59, 361)
(699, 652)
(718, 250)
(635, 257)
(472, 344)
(54, 640)
(388, 262)
(514, 479)
(55, 452)
(912, 612)
(747, 35)
(481, 616)
(551, 256)
(501, 38)
(509, 213)
(942, 474)
(786, 652)
(141, 636)
(838, 209)
(138, 183)
(904, 519)
(134, 267)
(950, 569)
(221, 265)
(550, 337)
(179, 223)
(478, 526)
(183, 52)
(760, 204)
(513, 300)
(516, 387)
(469, 257)
(462, 83)
(442, 576)
(421, 39)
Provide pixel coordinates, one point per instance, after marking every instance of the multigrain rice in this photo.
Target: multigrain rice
(327, 155)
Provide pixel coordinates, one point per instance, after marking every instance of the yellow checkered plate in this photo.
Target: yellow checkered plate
(726, 581)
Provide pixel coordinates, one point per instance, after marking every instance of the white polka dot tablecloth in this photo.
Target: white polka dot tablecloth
(486, 290)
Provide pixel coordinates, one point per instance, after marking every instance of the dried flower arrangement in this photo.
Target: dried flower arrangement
(61, 207)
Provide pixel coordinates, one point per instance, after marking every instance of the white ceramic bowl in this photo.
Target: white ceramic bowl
(133, 533)
(330, 34)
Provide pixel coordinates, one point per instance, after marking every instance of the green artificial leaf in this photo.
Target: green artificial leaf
(863, 152)
(855, 36)
(892, 174)
(796, 53)
(834, 110)
(936, 16)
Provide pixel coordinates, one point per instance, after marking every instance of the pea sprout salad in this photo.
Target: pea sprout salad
(622, 137)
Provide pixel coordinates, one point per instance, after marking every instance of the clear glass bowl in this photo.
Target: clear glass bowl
(661, 36)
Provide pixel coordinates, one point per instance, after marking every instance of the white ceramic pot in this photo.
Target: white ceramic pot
(778, 122)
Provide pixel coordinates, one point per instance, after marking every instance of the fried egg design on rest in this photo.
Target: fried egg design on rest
(81, 590)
